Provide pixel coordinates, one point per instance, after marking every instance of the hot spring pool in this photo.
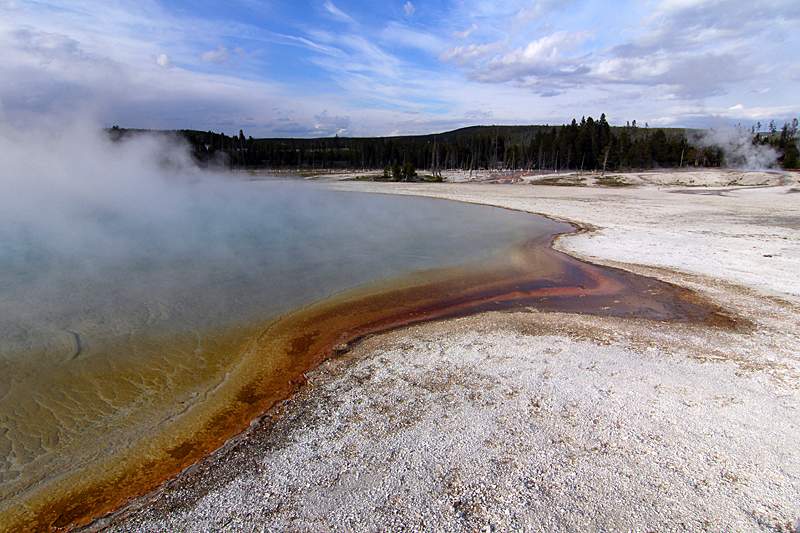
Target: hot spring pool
(124, 321)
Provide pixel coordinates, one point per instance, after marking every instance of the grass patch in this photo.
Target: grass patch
(737, 183)
(559, 181)
(612, 181)
(369, 177)
(684, 184)
(381, 177)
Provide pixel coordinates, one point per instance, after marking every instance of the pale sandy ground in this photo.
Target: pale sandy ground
(659, 178)
(546, 421)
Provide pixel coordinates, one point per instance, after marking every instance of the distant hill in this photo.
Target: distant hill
(589, 144)
(513, 133)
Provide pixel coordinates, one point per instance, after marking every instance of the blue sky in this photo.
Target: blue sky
(308, 68)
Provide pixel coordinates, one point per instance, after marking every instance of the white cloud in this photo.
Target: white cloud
(542, 65)
(480, 114)
(686, 75)
(131, 60)
(399, 34)
(163, 60)
(536, 10)
(468, 55)
(327, 125)
(679, 5)
(709, 46)
(738, 112)
(45, 74)
(548, 47)
(689, 49)
(466, 33)
(103, 63)
(220, 55)
(409, 9)
(756, 113)
(338, 13)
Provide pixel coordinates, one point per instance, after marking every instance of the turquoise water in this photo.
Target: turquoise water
(119, 312)
(237, 250)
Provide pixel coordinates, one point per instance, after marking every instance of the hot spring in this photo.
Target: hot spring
(122, 324)
(150, 311)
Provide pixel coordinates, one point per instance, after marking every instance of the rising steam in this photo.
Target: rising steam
(86, 221)
(89, 226)
(739, 148)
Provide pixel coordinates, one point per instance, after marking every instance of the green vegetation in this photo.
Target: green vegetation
(562, 181)
(785, 143)
(588, 145)
(612, 181)
(366, 177)
(583, 146)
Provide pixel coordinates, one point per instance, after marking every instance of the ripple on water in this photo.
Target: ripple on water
(114, 362)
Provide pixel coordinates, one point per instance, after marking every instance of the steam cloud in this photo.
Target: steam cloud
(89, 226)
(740, 152)
(84, 219)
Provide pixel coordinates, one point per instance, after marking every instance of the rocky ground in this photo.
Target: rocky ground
(537, 421)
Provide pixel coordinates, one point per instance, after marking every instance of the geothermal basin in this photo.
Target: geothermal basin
(135, 342)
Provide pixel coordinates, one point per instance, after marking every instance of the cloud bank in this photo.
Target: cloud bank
(250, 66)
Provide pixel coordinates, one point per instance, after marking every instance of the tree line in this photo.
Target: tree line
(585, 145)
(785, 142)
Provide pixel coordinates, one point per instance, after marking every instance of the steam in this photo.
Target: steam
(84, 219)
(91, 227)
(122, 265)
(739, 149)
(97, 230)
(81, 200)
